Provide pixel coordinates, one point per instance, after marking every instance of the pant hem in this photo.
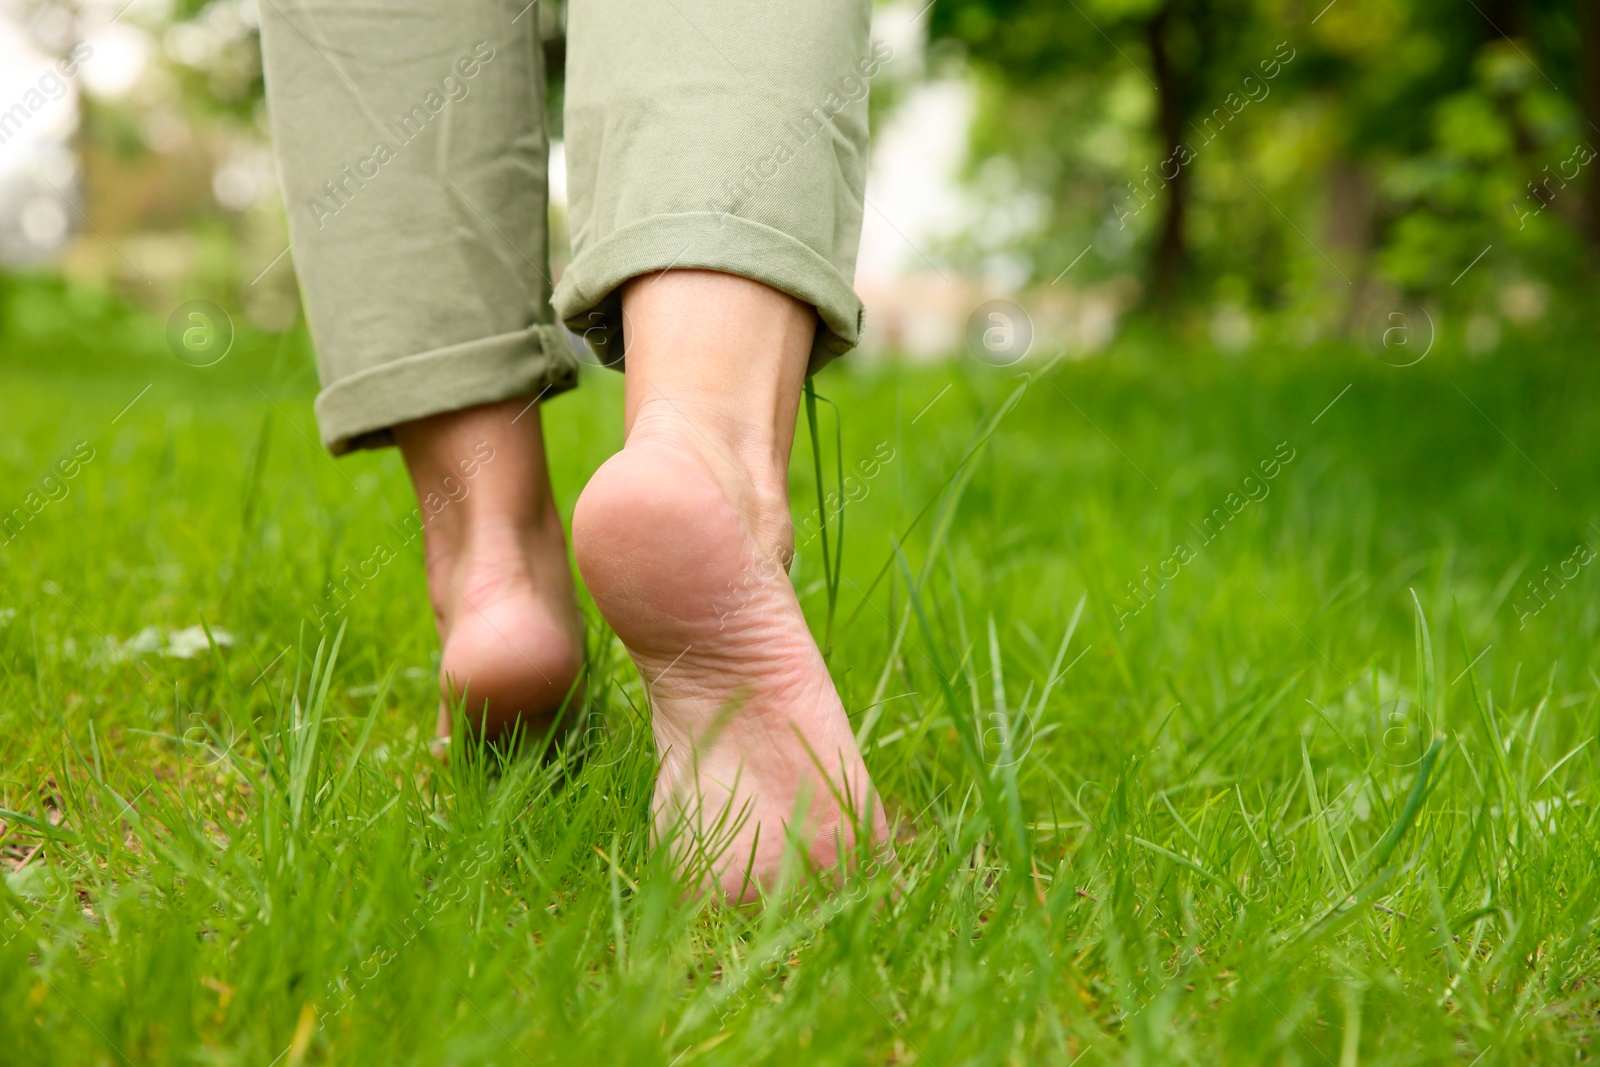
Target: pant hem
(358, 412)
(588, 301)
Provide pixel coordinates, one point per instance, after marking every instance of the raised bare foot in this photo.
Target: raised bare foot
(683, 539)
(498, 575)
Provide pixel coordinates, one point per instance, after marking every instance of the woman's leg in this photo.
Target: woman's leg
(498, 573)
(683, 539)
(411, 144)
(716, 157)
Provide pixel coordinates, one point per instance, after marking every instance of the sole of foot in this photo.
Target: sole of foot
(755, 746)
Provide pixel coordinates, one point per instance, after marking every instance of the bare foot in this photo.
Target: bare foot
(498, 574)
(683, 539)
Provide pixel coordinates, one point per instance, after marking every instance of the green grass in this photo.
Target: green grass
(1273, 817)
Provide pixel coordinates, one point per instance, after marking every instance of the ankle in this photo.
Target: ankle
(741, 454)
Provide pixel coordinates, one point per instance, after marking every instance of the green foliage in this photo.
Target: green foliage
(1399, 141)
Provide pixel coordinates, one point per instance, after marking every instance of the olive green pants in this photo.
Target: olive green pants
(726, 135)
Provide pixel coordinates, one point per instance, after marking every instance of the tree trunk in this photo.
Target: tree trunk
(1170, 261)
(1589, 49)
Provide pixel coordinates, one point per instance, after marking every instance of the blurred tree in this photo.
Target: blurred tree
(1184, 50)
(1379, 143)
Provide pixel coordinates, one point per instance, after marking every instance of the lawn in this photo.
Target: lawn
(1209, 696)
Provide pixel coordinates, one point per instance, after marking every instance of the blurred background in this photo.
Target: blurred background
(1234, 174)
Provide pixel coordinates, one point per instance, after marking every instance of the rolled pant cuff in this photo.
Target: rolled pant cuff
(588, 301)
(358, 411)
